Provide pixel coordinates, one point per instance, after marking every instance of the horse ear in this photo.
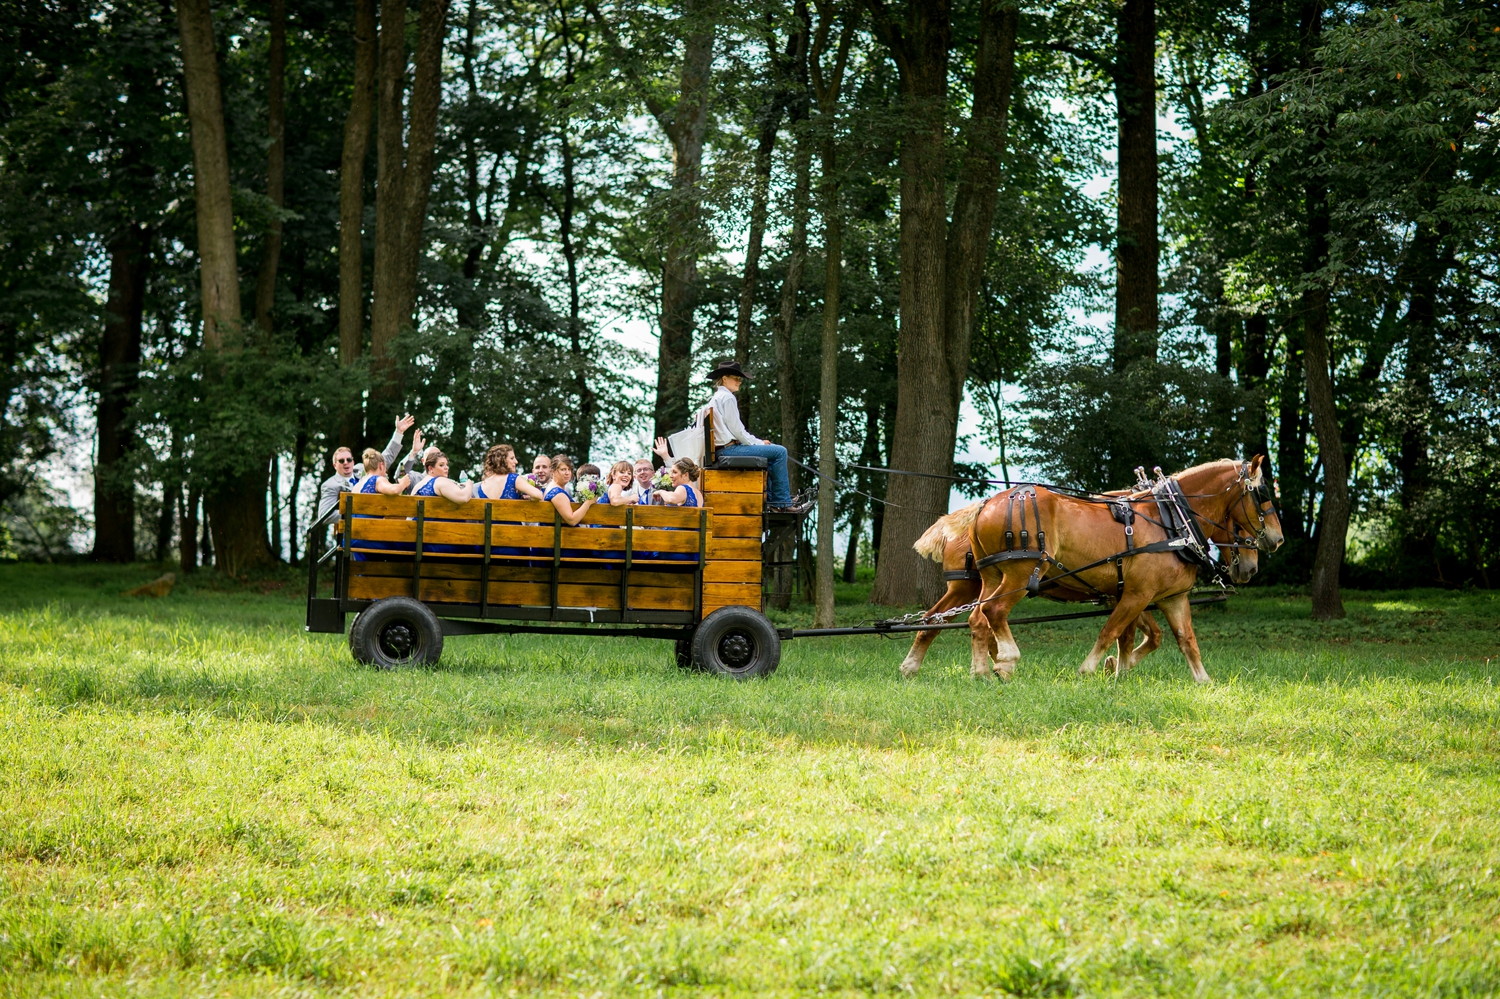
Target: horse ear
(1260, 470)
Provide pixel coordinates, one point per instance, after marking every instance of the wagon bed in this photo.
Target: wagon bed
(414, 569)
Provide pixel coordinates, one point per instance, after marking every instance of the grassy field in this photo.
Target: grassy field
(200, 799)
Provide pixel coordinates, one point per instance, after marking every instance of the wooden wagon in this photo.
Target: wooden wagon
(415, 569)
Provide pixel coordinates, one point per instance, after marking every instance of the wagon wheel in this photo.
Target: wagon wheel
(396, 631)
(737, 642)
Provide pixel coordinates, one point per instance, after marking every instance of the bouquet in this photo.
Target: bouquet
(588, 489)
(539, 481)
(662, 480)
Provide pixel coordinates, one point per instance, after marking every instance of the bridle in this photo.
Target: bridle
(1260, 500)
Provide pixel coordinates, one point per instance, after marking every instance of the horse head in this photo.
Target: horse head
(1257, 504)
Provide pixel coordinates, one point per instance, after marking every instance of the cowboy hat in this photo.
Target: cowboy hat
(728, 368)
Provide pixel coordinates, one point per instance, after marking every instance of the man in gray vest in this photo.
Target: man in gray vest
(346, 472)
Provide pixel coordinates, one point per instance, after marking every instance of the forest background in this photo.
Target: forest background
(234, 235)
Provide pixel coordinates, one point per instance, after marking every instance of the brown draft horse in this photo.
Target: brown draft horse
(947, 542)
(1082, 543)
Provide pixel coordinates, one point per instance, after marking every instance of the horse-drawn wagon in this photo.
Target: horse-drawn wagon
(416, 569)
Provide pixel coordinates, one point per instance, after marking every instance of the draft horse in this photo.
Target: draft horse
(1132, 551)
(947, 542)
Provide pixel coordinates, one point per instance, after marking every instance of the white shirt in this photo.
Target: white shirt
(727, 426)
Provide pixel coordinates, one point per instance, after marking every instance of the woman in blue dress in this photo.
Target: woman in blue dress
(683, 472)
(501, 481)
(557, 492)
(437, 483)
(376, 481)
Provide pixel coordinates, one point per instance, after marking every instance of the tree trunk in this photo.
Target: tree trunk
(1137, 252)
(270, 258)
(940, 270)
(119, 379)
(234, 501)
(787, 383)
(404, 165)
(352, 208)
(686, 127)
(827, 90)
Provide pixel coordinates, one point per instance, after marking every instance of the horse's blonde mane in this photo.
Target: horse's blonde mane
(1222, 463)
(947, 527)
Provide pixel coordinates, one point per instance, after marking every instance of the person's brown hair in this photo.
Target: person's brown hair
(562, 461)
(621, 466)
(372, 460)
(688, 467)
(431, 458)
(495, 459)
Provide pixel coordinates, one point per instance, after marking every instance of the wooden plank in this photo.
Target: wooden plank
(519, 511)
(471, 536)
(642, 574)
(734, 504)
(730, 571)
(737, 527)
(742, 594)
(742, 480)
(709, 608)
(439, 592)
(739, 549)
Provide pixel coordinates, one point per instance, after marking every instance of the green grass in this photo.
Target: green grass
(198, 798)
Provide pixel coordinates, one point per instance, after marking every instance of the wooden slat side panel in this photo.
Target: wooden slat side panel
(729, 526)
(434, 532)
(640, 574)
(743, 594)
(738, 549)
(719, 480)
(734, 504)
(460, 591)
(730, 571)
(518, 511)
(709, 607)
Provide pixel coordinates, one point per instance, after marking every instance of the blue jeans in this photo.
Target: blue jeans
(777, 484)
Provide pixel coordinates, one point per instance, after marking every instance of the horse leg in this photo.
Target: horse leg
(1179, 614)
(994, 646)
(960, 591)
(1118, 661)
(1124, 614)
(1150, 641)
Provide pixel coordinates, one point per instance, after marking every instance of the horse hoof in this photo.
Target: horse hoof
(907, 672)
(1112, 665)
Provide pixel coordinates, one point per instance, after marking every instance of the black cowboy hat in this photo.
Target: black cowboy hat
(728, 368)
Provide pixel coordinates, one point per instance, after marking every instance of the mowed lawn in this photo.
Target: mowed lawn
(197, 798)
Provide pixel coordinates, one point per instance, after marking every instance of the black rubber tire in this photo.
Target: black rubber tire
(395, 632)
(737, 642)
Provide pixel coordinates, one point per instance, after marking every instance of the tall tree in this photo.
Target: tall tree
(942, 261)
(1137, 252)
(234, 498)
(684, 121)
(352, 206)
(404, 165)
(827, 84)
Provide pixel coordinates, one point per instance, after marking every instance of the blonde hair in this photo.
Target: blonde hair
(372, 460)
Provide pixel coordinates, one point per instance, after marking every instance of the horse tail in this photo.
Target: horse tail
(947, 527)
